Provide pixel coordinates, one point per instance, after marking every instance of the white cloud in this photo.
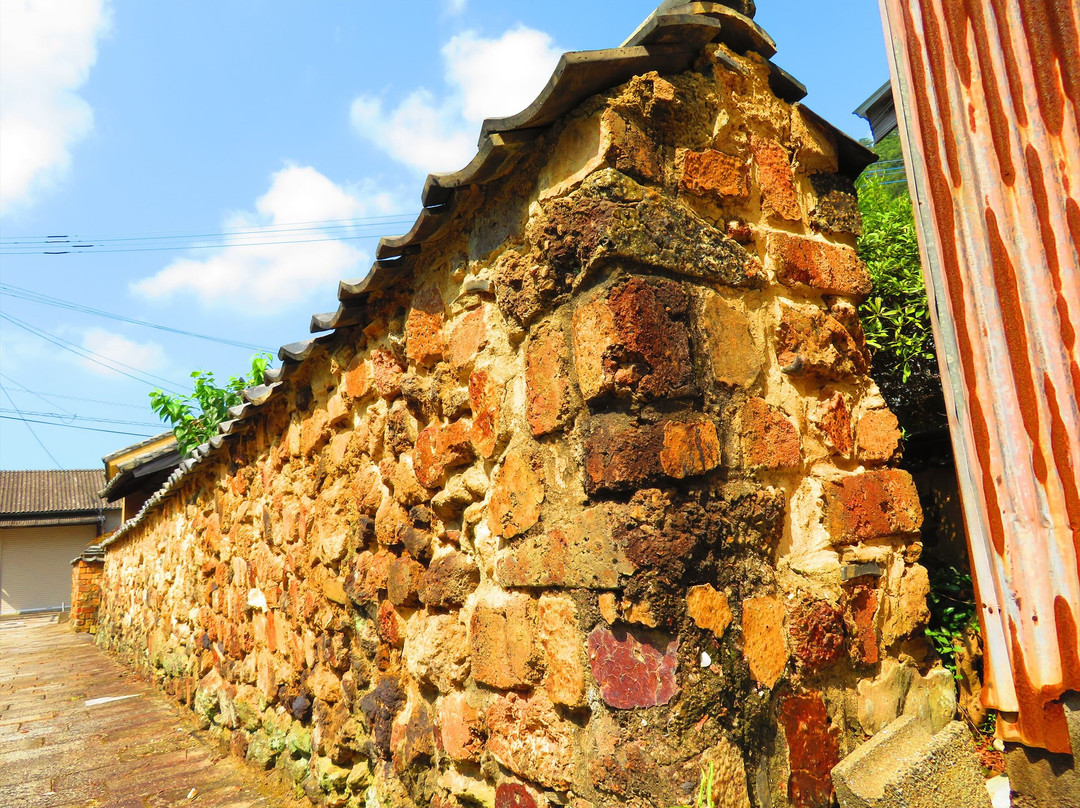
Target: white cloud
(144, 356)
(47, 48)
(266, 278)
(487, 78)
(456, 6)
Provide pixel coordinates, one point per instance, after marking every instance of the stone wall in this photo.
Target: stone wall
(86, 594)
(601, 499)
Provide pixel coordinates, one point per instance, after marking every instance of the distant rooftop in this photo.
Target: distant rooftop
(32, 498)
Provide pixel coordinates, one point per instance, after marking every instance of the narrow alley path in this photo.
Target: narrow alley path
(76, 729)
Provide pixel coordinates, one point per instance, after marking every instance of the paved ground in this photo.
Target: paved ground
(62, 747)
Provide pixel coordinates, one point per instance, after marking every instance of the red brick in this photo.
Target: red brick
(833, 418)
(621, 455)
(580, 554)
(424, 342)
(723, 336)
(878, 437)
(834, 269)
(709, 609)
(358, 378)
(439, 448)
(634, 668)
(631, 339)
(485, 398)
(449, 580)
(816, 629)
(715, 174)
(386, 373)
(506, 653)
(467, 339)
(514, 795)
(690, 448)
(862, 605)
(531, 739)
(460, 728)
(403, 581)
(390, 626)
(813, 750)
(872, 505)
(779, 196)
(810, 342)
(564, 655)
(763, 638)
(550, 397)
(516, 497)
(768, 439)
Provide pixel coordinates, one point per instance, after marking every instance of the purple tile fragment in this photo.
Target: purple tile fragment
(634, 668)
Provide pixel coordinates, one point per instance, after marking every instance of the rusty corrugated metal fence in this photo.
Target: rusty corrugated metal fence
(989, 98)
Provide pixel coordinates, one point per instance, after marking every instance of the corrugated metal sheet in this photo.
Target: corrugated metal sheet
(990, 98)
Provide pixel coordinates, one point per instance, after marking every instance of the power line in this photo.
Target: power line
(90, 249)
(31, 392)
(71, 426)
(354, 221)
(23, 418)
(217, 235)
(69, 418)
(37, 297)
(47, 397)
(86, 353)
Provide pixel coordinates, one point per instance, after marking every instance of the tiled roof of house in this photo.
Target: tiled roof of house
(669, 41)
(49, 497)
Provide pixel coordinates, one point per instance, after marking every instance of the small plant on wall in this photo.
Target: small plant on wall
(195, 418)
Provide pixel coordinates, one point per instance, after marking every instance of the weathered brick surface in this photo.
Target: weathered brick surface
(709, 609)
(516, 498)
(810, 342)
(769, 440)
(817, 630)
(633, 668)
(872, 505)
(424, 343)
(583, 553)
(506, 648)
(632, 339)
(777, 181)
(549, 390)
(877, 437)
(831, 268)
(763, 638)
(715, 174)
(724, 338)
(813, 750)
(508, 541)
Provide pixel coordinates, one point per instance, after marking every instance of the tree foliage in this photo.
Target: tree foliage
(195, 418)
(896, 315)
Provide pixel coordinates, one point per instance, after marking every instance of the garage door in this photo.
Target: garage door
(35, 565)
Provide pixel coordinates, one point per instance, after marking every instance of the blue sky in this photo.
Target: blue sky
(137, 126)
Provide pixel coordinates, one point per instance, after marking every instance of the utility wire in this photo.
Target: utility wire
(47, 397)
(70, 426)
(316, 223)
(255, 230)
(20, 293)
(82, 249)
(23, 418)
(70, 418)
(87, 354)
(35, 395)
